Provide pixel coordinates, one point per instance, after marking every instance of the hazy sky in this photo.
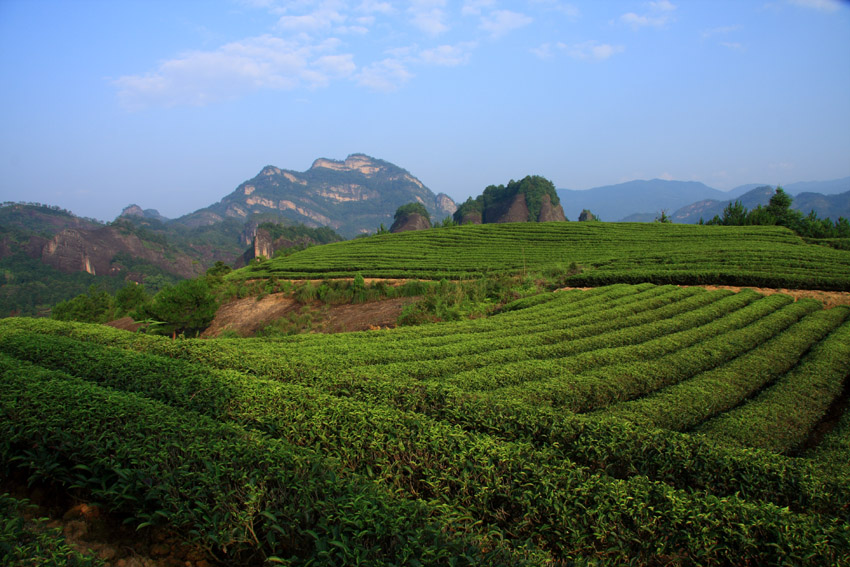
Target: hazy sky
(172, 104)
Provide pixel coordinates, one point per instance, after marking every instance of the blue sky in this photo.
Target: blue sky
(172, 104)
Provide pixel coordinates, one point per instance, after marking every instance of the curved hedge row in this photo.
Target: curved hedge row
(509, 487)
(480, 434)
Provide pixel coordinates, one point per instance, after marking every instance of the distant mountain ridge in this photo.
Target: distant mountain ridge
(615, 202)
(642, 200)
(825, 206)
(353, 196)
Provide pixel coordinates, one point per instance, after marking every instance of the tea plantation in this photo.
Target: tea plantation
(764, 256)
(629, 424)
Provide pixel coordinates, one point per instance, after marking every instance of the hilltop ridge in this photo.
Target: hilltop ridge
(351, 196)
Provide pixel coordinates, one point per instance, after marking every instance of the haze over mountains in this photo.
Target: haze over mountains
(643, 201)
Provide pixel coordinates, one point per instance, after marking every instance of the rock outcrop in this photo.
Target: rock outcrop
(586, 215)
(515, 210)
(137, 211)
(264, 243)
(532, 199)
(406, 223)
(550, 212)
(445, 206)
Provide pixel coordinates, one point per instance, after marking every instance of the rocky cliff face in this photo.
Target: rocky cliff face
(264, 245)
(410, 222)
(94, 251)
(353, 196)
(445, 206)
(550, 212)
(515, 210)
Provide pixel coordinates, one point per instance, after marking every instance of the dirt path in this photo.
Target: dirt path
(828, 298)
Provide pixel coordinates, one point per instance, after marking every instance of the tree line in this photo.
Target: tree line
(779, 212)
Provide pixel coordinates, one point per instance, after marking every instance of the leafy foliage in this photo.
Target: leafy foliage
(92, 307)
(411, 209)
(186, 308)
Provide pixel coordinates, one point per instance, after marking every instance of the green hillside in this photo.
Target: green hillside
(628, 424)
(639, 425)
(605, 252)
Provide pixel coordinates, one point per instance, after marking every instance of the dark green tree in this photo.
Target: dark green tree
(219, 269)
(470, 206)
(95, 306)
(734, 214)
(780, 204)
(663, 218)
(187, 308)
(130, 298)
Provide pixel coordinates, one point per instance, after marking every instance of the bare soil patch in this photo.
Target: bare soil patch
(249, 315)
(125, 324)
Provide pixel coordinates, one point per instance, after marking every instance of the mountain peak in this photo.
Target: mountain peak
(132, 211)
(355, 162)
(352, 196)
(136, 211)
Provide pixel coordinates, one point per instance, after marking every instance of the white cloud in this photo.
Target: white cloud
(571, 11)
(734, 45)
(662, 6)
(658, 15)
(428, 16)
(375, 6)
(198, 78)
(500, 22)
(336, 65)
(544, 51)
(474, 7)
(585, 51)
(828, 6)
(448, 55)
(387, 75)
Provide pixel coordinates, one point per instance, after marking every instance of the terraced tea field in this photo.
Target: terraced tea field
(764, 256)
(624, 425)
